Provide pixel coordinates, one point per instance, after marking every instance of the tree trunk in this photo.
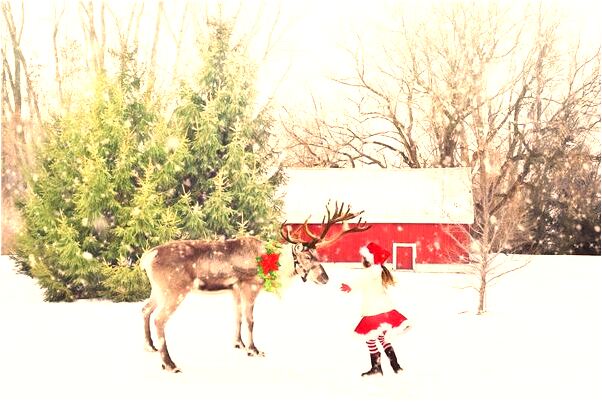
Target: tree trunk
(482, 291)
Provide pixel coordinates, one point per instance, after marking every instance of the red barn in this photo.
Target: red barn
(420, 215)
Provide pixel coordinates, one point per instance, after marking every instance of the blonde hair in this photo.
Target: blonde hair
(386, 277)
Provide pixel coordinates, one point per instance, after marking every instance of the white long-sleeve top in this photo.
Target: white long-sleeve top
(368, 284)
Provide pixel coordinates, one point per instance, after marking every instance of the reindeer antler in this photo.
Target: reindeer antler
(286, 235)
(340, 215)
(337, 217)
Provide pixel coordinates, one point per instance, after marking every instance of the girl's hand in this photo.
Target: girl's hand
(345, 288)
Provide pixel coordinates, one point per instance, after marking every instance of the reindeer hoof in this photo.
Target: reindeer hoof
(173, 369)
(239, 345)
(254, 352)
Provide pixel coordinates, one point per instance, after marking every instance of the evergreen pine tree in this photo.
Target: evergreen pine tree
(114, 179)
(82, 230)
(565, 205)
(225, 190)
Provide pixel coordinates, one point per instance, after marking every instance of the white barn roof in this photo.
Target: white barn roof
(386, 195)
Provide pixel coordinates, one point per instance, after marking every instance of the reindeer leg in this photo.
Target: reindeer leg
(147, 310)
(165, 311)
(238, 343)
(249, 293)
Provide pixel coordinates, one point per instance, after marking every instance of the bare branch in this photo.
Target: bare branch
(20, 63)
(57, 71)
(153, 57)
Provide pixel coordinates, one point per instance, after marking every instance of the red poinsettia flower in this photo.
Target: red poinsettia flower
(269, 263)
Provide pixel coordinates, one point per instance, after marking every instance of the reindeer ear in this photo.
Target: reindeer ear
(298, 247)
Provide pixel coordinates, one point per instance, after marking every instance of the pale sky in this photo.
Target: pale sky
(310, 36)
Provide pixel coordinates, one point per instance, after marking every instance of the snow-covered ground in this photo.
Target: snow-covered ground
(540, 340)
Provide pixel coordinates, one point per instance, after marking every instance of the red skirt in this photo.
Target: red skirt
(374, 325)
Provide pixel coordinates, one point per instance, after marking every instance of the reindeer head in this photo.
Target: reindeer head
(305, 257)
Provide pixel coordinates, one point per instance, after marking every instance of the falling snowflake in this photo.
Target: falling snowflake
(197, 209)
(172, 143)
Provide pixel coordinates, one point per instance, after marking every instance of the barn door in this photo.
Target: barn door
(404, 255)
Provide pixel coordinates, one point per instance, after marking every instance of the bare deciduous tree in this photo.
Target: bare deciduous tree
(317, 143)
(177, 37)
(505, 129)
(57, 63)
(96, 41)
(486, 240)
(471, 86)
(20, 66)
(18, 122)
(152, 72)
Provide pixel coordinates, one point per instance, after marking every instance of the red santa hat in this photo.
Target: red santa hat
(374, 253)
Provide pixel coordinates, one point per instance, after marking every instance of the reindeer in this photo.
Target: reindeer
(176, 268)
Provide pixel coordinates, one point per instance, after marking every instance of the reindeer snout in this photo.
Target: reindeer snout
(323, 278)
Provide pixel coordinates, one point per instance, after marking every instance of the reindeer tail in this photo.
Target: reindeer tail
(146, 261)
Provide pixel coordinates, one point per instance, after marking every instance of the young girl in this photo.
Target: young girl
(378, 312)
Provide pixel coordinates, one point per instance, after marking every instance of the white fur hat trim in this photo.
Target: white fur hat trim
(364, 252)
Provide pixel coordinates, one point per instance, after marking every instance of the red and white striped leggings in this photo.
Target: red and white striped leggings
(372, 343)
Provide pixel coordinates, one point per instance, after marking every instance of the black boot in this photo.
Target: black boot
(393, 359)
(376, 367)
